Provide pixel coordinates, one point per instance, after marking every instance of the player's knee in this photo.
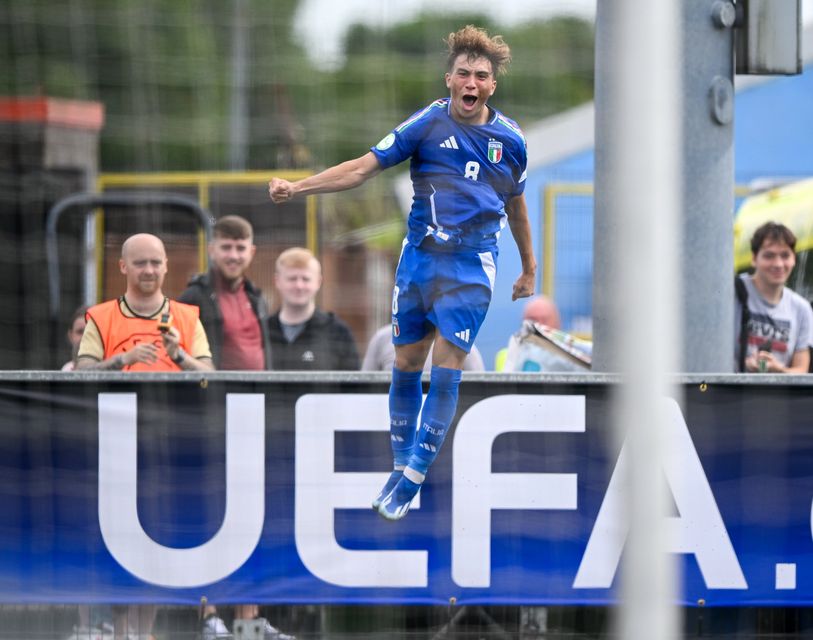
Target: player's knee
(411, 357)
(408, 364)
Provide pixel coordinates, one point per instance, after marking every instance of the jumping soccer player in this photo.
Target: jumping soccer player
(468, 166)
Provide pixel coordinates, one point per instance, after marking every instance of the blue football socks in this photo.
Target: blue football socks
(437, 415)
(406, 395)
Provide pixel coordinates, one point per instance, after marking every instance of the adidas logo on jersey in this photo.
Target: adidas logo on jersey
(463, 335)
(449, 143)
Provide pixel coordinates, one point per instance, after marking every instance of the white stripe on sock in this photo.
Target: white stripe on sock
(415, 476)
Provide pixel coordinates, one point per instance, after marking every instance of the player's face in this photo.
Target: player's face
(471, 83)
(145, 267)
(298, 286)
(231, 257)
(773, 263)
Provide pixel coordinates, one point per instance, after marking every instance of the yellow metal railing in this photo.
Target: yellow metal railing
(547, 225)
(550, 194)
(203, 181)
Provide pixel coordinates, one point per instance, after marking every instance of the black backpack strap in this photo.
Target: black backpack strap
(810, 349)
(745, 316)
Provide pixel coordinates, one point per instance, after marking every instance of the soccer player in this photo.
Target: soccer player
(468, 164)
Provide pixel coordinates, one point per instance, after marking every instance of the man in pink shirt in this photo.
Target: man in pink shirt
(232, 310)
(235, 317)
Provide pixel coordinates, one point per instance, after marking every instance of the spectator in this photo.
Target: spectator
(234, 315)
(774, 325)
(124, 334)
(302, 336)
(214, 628)
(380, 355)
(543, 310)
(539, 309)
(75, 330)
(93, 622)
(468, 167)
(232, 310)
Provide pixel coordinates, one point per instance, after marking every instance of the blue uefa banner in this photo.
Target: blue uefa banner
(259, 490)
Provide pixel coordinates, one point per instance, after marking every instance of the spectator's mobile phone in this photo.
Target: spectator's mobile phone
(163, 323)
(766, 347)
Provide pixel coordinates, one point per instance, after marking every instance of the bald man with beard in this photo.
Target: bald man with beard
(542, 309)
(124, 334)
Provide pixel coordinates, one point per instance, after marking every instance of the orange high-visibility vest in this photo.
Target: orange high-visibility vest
(120, 333)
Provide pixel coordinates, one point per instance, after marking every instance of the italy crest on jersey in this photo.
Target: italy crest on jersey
(494, 151)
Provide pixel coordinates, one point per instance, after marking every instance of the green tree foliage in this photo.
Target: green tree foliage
(163, 71)
(389, 73)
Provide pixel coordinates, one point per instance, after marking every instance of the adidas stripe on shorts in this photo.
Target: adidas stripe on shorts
(448, 289)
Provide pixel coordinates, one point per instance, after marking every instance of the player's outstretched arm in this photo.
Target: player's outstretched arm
(338, 178)
(517, 210)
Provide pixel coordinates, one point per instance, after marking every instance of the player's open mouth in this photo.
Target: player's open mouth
(469, 100)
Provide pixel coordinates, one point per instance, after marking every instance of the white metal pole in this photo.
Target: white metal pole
(638, 152)
(238, 100)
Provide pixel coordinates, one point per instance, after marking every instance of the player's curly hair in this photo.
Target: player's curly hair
(475, 43)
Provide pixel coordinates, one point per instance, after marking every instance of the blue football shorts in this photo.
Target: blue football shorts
(448, 289)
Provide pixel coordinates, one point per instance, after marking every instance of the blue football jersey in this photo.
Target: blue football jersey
(462, 174)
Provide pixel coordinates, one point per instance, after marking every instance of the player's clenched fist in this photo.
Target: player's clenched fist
(524, 286)
(280, 190)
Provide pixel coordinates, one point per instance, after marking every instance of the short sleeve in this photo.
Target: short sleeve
(400, 143)
(91, 345)
(379, 344)
(521, 170)
(200, 344)
(805, 327)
